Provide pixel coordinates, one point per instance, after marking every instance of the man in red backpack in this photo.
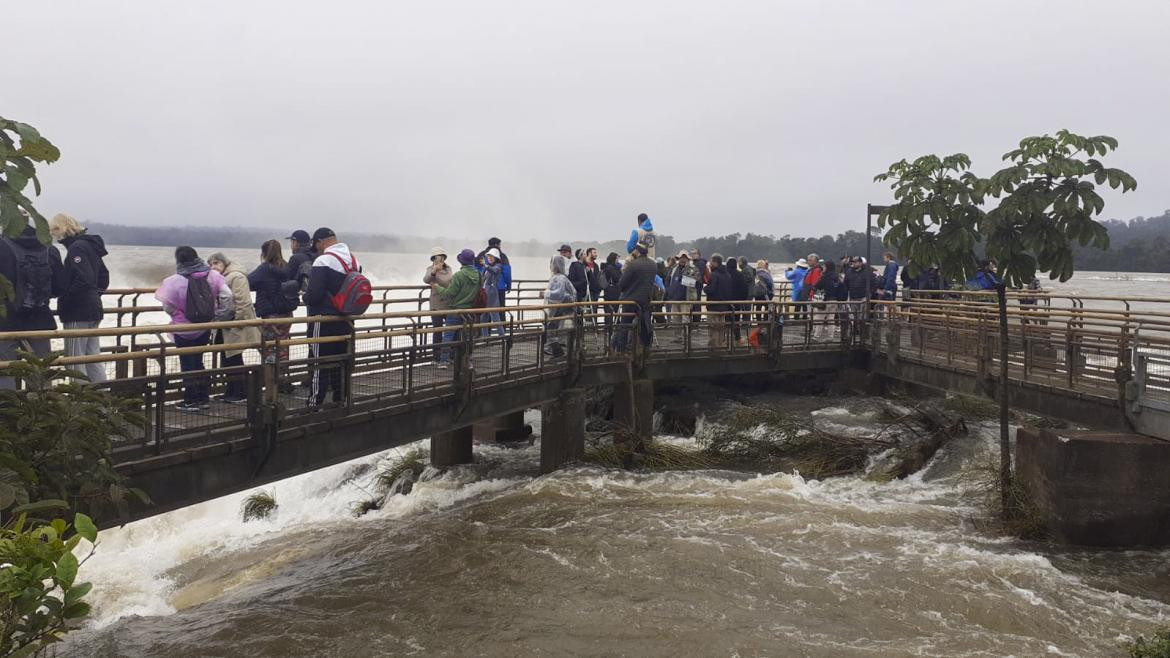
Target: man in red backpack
(326, 279)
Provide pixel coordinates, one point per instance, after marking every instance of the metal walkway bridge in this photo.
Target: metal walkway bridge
(1099, 361)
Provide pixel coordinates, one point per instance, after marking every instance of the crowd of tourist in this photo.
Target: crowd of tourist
(730, 293)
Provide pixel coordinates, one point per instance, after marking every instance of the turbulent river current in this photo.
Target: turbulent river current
(494, 559)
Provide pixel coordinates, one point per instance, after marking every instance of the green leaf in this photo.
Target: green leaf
(47, 505)
(77, 610)
(85, 527)
(75, 593)
(66, 570)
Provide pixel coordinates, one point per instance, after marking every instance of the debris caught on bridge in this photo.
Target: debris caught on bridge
(259, 505)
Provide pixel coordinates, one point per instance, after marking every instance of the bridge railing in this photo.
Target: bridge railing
(393, 358)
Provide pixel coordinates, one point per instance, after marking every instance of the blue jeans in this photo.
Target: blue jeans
(450, 336)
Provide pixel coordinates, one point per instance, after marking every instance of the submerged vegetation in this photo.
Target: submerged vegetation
(259, 505)
(1157, 646)
(395, 476)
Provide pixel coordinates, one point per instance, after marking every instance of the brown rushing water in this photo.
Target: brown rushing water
(492, 559)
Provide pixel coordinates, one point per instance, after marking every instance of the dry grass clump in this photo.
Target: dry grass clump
(972, 408)
(259, 505)
(652, 457)
(1021, 518)
(395, 476)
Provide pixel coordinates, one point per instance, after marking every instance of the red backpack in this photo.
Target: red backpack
(355, 294)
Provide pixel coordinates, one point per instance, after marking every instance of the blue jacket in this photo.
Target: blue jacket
(796, 276)
(633, 241)
(983, 281)
(505, 283)
(890, 277)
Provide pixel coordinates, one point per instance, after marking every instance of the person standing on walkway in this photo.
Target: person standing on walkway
(505, 282)
(700, 264)
(831, 291)
(85, 279)
(326, 277)
(491, 272)
(438, 272)
(560, 291)
(613, 274)
(194, 294)
(36, 275)
(719, 291)
(277, 296)
(637, 286)
(889, 278)
(302, 254)
(682, 291)
(739, 294)
(236, 391)
(459, 295)
(577, 274)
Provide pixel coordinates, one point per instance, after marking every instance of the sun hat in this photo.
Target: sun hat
(466, 257)
(802, 263)
(683, 254)
(438, 251)
(493, 252)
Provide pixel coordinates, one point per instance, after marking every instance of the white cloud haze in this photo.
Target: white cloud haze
(554, 119)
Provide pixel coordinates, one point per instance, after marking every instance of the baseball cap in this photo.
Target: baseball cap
(300, 236)
(322, 233)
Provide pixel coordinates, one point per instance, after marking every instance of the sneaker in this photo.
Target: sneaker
(188, 406)
(442, 365)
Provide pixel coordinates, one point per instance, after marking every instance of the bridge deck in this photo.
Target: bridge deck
(395, 391)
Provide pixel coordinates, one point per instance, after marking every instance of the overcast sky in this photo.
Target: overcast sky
(552, 119)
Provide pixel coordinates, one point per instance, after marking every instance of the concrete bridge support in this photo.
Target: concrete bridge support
(501, 429)
(562, 431)
(451, 448)
(1097, 488)
(633, 406)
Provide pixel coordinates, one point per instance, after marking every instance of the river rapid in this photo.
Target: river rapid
(494, 559)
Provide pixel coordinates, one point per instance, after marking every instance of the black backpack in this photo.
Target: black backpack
(34, 277)
(289, 298)
(200, 305)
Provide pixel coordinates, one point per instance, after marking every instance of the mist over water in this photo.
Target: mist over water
(494, 559)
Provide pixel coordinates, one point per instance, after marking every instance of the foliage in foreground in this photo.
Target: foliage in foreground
(1157, 646)
(259, 505)
(55, 440)
(39, 595)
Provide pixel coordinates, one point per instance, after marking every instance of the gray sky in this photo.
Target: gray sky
(553, 119)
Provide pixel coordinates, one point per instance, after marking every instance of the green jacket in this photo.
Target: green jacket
(464, 286)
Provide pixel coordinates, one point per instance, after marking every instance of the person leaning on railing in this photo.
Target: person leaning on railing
(460, 295)
(438, 272)
(35, 273)
(326, 277)
(560, 291)
(718, 290)
(194, 294)
(637, 286)
(85, 278)
(277, 296)
(237, 281)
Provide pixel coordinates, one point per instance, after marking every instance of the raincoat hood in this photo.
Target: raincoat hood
(646, 225)
(188, 269)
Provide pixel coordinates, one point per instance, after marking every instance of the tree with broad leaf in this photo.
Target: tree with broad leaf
(1043, 201)
(21, 147)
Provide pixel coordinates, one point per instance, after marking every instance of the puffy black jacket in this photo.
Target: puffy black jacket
(295, 262)
(637, 282)
(832, 286)
(739, 285)
(579, 278)
(613, 274)
(85, 277)
(33, 319)
(858, 283)
(701, 266)
(265, 281)
(719, 289)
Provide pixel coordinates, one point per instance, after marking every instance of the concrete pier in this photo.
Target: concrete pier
(636, 413)
(502, 429)
(1097, 488)
(451, 448)
(562, 430)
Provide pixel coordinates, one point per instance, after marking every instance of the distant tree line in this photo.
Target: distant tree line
(1139, 245)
